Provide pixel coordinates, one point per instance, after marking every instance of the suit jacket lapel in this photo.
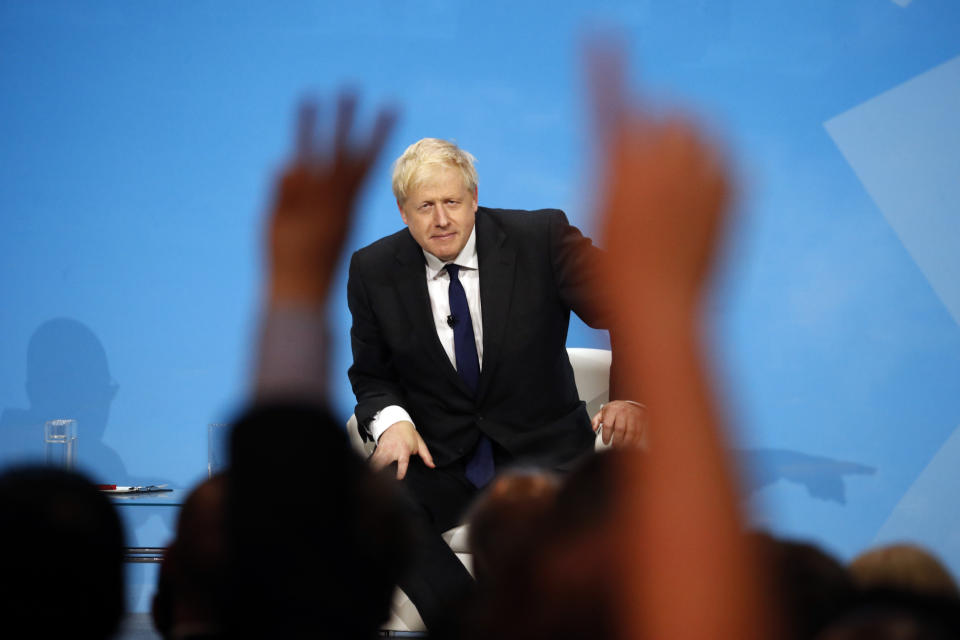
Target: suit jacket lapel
(497, 266)
(412, 286)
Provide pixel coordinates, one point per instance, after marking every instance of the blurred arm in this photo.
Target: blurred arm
(307, 227)
(689, 573)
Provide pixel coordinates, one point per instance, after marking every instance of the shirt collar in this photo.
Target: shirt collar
(466, 258)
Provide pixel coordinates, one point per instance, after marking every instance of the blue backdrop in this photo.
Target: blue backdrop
(140, 139)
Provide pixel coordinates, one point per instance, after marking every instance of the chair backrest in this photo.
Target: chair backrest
(591, 371)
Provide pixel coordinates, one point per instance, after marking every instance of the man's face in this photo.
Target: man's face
(440, 213)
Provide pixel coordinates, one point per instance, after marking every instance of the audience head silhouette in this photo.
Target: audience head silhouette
(61, 555)
(316, 540)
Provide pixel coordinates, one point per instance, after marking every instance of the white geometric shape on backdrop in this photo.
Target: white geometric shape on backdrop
(927, 514)
(904, 146)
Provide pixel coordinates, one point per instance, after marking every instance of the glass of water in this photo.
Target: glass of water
(60, 443)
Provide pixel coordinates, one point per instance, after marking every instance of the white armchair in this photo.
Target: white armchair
(591, 370)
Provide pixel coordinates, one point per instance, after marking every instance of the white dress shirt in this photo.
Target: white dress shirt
(438, 284)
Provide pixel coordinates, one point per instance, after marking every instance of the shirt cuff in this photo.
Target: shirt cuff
(292, 355)
(385, 418)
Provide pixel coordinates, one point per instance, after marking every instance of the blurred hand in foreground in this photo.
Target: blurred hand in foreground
(315, 198)
(665, 193)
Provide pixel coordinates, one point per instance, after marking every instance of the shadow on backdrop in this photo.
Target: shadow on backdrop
(823, 478)
(67, 377)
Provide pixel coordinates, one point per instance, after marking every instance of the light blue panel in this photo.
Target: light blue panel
(905, 147)
(140, 141)
(927, 513)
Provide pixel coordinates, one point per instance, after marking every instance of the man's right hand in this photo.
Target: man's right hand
(397, 444)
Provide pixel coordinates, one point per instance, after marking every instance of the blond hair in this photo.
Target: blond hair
(425, 156)
(904, 566)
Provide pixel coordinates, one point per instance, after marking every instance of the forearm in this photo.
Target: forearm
(291, 354)
(692, 563)
(622, 386)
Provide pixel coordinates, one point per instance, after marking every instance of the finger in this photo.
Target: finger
(607, 433)
(597, 421)
(378, 460)
(306, 130)
(386, 119)
(346, 108)
(618, 435)
(424, 454)
(605, 80)
(402, 463)
(289, 187)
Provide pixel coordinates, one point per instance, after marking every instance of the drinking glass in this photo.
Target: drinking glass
(60, 443)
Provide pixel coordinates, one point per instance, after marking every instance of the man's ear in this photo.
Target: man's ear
(476, 198)
(403, 214)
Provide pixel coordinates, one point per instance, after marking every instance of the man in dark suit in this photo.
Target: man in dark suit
(460, 366)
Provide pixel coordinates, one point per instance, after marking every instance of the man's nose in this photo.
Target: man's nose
(441, 219)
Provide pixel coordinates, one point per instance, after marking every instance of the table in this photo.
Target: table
(172, 499)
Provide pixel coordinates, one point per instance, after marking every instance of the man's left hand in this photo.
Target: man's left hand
(623, 423)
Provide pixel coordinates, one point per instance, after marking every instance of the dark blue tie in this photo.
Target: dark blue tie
(479, 469)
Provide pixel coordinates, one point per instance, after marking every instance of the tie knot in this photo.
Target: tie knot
(453, 270)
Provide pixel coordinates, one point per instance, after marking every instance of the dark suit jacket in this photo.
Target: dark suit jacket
(534, 269)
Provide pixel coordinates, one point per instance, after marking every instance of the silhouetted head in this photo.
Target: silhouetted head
(903, 566)
(191, 590)
(896, 615)
(563, 587)
(61, 555)
(68, 377)
(316, 540)
(810, 587)
(505, 520)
